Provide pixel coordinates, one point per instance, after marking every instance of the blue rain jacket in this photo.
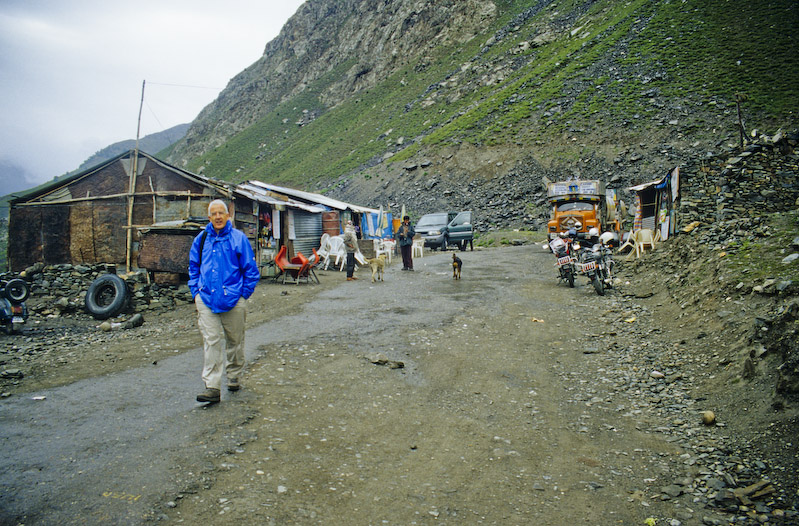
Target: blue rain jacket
(228, 271)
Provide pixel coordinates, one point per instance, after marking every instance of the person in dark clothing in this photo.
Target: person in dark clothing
(405, 241)
(351, 246)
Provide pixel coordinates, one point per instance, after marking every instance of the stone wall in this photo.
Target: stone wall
(761, 179)
(59, 290)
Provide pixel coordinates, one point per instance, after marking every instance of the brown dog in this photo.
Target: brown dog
(456, 267)
(377, 265)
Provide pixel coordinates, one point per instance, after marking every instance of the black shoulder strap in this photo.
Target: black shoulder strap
(202, 244)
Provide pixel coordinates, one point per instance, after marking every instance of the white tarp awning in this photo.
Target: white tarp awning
(312, 198)
(260, 194)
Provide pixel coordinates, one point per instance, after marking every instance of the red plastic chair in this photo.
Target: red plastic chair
(309, 273)
(288, 268)
(301, 260)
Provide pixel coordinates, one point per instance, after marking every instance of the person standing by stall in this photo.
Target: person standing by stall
(405, 235)
(222, 276)
(351, 246)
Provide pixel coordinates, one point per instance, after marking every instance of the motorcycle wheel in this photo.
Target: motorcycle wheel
(570, 279)
(599, 287)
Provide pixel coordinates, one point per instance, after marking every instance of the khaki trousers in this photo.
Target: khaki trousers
(213, 327)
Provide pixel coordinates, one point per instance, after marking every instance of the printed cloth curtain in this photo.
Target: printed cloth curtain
(639, 219)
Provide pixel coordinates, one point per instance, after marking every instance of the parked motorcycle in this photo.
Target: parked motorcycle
(13, 311)
(565, 261)
(595, 261)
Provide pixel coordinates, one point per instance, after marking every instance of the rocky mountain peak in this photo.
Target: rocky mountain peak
(362, 41)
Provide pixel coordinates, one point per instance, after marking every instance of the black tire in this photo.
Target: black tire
(107, 296)
(570, 279)
(16, 290)
(598, 285)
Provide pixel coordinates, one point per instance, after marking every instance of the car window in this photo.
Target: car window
(432, 220)
(464, 218)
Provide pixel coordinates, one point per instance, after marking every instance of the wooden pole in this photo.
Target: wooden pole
(152, 189)
(739, 98)
(132, 185)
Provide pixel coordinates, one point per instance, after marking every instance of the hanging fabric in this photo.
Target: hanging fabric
(290, 219)
(276, 224)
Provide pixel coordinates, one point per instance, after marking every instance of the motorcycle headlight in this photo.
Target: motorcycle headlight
(576, 246)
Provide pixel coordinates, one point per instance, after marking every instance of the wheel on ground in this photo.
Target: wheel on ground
(598, 285)
(107, 296)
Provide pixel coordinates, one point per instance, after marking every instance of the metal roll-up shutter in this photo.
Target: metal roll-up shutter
(308, 229)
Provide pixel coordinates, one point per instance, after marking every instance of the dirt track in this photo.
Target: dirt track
(421, 400)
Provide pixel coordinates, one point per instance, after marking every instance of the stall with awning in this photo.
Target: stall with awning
(283, 221)
(655, 204)
(335, 213)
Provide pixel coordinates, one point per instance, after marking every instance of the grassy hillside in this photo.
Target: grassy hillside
(605, 68)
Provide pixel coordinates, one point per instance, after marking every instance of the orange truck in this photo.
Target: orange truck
(586, 203)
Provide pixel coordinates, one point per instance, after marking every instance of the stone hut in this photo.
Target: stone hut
(95, 216)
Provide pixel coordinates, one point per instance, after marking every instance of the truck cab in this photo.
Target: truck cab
(579, 204)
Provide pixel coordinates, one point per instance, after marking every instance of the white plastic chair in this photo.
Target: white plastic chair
(324, 246)
(382, 249)
(418, 248)
(629, 243)
(644, 238)
(389, 244)
(336, 250)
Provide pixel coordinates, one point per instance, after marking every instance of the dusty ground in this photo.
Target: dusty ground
(501, 399)
(54, 351)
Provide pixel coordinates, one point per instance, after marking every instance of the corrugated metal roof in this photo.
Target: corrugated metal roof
(259, 194)
(314, 198)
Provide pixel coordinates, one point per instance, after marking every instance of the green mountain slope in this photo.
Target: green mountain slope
(563, 79)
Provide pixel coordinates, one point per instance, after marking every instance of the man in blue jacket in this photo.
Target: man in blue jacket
(222, 275)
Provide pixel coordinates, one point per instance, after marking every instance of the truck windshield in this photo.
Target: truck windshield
(567, 207)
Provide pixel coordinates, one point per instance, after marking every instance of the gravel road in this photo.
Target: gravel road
(502, 398)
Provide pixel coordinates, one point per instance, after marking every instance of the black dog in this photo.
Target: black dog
(456, 267)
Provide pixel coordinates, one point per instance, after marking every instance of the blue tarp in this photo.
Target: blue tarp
(369, 226)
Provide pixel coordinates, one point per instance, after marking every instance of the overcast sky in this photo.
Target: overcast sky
(71, 72)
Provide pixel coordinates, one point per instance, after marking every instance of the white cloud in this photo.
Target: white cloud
(71, 72)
